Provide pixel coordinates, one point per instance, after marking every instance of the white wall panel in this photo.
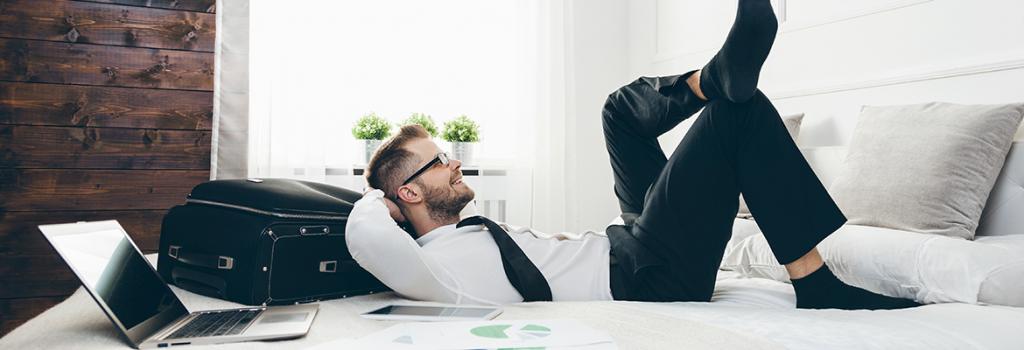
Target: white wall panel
(683, 28)
(802, 14)
(832, 56)
(599, 65)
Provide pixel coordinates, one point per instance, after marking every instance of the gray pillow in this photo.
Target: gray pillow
(925, 168)
(792, 123)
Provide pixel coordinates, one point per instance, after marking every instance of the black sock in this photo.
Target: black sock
(733, 72)
(822, 290)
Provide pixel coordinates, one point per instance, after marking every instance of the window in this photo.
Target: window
(317, 66)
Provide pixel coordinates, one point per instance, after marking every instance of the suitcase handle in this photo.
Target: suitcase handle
(203, 260)
(198, 282)
(314, 230)
(329, 266)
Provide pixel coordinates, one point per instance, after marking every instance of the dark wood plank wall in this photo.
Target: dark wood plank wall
(105, 113)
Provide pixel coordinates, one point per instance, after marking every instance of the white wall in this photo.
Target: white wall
(597, 65)
(833, 56)
(830, 58)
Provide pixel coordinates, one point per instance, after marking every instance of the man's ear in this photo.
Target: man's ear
(410, 194)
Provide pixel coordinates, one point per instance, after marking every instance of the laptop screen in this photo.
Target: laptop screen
(106, 260)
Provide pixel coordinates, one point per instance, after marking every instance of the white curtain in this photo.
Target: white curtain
(230, 154)
(314, 67)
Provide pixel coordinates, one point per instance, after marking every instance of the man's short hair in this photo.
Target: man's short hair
(391, 163)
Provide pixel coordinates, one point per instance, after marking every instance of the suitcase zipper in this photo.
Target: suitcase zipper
(269, 213)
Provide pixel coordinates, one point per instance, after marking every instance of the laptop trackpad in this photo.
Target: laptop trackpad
(285, 317)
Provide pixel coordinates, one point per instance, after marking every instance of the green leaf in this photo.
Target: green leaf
(423, 120)
(371, 127)
(461, 129)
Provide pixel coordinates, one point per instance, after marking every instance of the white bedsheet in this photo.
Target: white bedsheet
(766, 308)
(745, 313)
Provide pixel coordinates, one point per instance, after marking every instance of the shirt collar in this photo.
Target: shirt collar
(445, 231)
(467, 211)
(433, 234)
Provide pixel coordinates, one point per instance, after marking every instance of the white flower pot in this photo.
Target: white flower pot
(370, 147)
(463, 151)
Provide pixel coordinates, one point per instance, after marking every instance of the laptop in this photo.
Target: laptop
(144, 308)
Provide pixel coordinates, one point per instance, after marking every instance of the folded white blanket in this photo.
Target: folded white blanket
(924, 267)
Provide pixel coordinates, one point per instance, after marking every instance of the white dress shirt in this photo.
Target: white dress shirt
(463, 265)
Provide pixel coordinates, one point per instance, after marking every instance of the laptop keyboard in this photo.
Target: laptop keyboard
(216, 323)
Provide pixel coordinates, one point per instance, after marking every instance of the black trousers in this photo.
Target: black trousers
(680, 210)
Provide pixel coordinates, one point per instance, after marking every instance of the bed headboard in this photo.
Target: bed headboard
(1002, 214)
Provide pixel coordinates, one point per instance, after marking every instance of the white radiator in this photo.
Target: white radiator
(501, 194)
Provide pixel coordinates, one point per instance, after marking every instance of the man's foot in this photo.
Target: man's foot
(733, 72)
(822, 290)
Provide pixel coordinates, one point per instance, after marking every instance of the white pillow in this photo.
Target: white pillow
(925, 168)
(923, 267)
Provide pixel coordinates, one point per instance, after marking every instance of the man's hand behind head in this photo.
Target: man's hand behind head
(393, 209)
(396, 213)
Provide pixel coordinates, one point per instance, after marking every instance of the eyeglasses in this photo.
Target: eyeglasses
(440, 157)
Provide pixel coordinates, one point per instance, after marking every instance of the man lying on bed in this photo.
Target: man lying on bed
(678, 212)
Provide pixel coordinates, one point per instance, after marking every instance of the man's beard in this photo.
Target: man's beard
(444, 203)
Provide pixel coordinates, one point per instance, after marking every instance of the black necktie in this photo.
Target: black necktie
(521, 272)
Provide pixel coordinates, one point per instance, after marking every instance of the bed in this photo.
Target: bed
(749, 313)
(746, 312)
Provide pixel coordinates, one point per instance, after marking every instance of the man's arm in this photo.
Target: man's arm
(381, 247)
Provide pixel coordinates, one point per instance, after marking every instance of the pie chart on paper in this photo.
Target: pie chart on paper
(507, 331)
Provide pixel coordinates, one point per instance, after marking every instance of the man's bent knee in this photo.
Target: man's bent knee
(609, 114)
(631, 106)
(613, 112)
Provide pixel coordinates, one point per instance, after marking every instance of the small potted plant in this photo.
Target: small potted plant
(462, 132)
(423, 120)
(372, 129)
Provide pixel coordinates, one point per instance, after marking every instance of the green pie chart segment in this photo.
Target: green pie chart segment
(503, 331)
(494, 331)
(536, 328)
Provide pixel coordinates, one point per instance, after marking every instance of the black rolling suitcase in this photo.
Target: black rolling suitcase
(263, 241)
